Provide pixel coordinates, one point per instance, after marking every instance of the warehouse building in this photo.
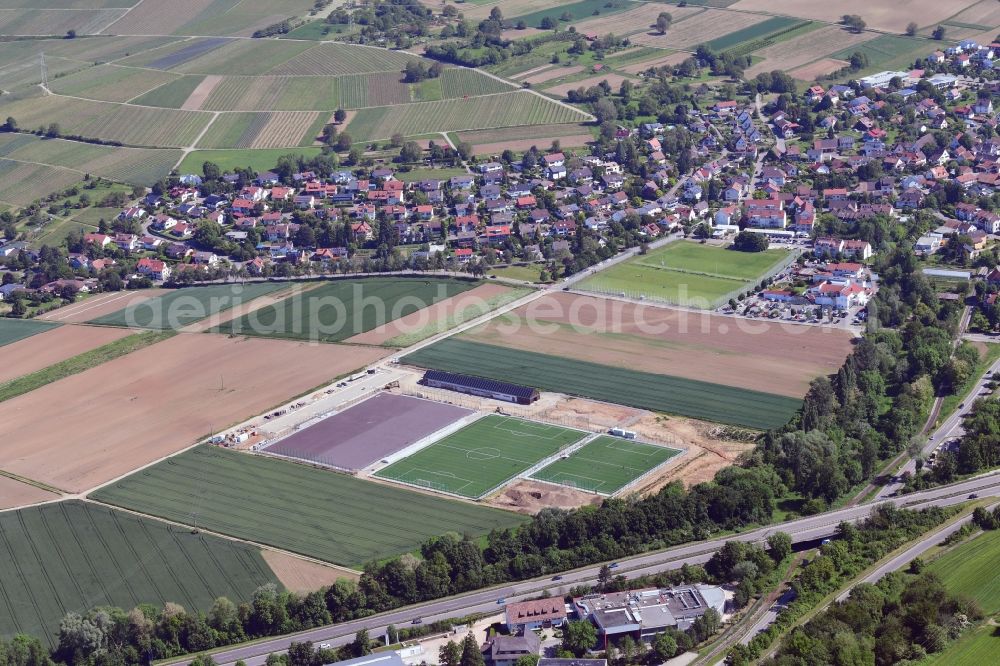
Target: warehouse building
(478, 386)
(644, 613)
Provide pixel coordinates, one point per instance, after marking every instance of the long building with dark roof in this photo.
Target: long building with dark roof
(479, 386)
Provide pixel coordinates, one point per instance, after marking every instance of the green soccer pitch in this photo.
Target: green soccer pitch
(605, 465)
(481, 456)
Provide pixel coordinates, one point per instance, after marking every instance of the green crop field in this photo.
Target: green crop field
(686, 273)
(22, 183)
(12, 330)
(605, 464)
(754, 32)
(886, 52)
(506, 110)
(578, 10)
(234, 130)
(330, 516)
(130, 125)
(243, 57)
(269, 93)
(456, 82)
(136, 166)
(171, 95)
(335, 59)
(481, 456)
(970, 570)
(111, 83)
(658, 393)
(340, 309)
(975, 648)
(73, 556)
(181, 307)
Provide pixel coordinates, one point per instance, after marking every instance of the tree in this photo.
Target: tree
(748, 241)
(344, 142)
(911, 28)
(10, 125)
(301, 654)
(450, 654)
(603, 577)
(605, 111)
(71, 34)
(207, 660)
(663, 22)
(410, 152)
(938, 33)
(17, 308)
(53, 130)
(339, 115)
(211, 171)
(362, 645)
(579, 637)
(471, 656)
(664, 647)
(527, 660)
(779, 546)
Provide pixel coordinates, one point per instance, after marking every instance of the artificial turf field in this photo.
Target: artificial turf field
(330, 516)
(685, 273)
(605, 464)
(481, 456)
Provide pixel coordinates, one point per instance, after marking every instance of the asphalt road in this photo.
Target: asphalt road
(803, 529)
(951, 427)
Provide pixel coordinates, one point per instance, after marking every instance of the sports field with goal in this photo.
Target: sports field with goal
(481, 456)
(605, 464)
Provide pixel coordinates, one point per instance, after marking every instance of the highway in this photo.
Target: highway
(801, 530)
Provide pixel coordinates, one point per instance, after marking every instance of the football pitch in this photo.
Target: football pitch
(605, 465)
(481, 456)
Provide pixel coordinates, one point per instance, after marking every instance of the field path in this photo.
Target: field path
(590, 117)
(189, 149)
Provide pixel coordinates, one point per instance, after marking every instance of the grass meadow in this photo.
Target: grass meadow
(186, 306)
(333, 517)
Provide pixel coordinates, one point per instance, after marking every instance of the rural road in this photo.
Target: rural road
(801, 530)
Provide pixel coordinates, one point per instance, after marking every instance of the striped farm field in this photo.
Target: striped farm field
(334, 59)
(21, 183)
(110, 83)
(137, 166)
(243, 57)
(73, 556)
(357, 91)
(752, 33)
(171, 95)
(259, 130)
(42, 22)
(272, 93)
(644, 390)
(459, 82)
(505, 110)
(333, 517)
(130, 125)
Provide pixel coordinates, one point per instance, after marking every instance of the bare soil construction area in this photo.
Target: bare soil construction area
(571, 141)
(302, 576)
(814, 70)
(640, 19)
(13, 493)
(891, 15)
(100, 305)
(90, 428)
(42, 350)
(438, 314)
(768, 357)
(530, 497)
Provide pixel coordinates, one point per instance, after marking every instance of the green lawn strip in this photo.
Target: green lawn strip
(974, 648)
(257, 159)
(12, 330)
(655, 392)
(323, 514)
(481, 456)
(443, 173)
(457, 318)
(605, 464)
(80, 363)
(73, 556)
(341, 309)
(951, 402)
(180, 307)
(970, 570)
(529, 273)
(578, 10)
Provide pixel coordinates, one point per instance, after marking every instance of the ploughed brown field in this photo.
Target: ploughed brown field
(58, 344)
(90, 428)
(304, 576)
(758, 355)
(14, 493)
(100, 305)
(889, 15)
